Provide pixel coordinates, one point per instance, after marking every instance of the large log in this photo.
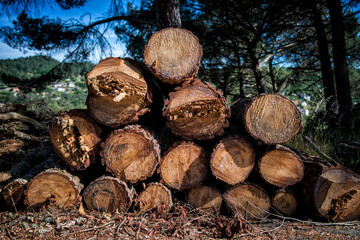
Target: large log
(337, 195)
(183, 166)
(269, 118)
(118, 92)
(76, 138)
(53, 186)
(131, 153)
(281, 167)
(173, 55)
(196, 110)
(232, 160)
(206, 198)
(108, 194)
(248, 201)
(155, 195)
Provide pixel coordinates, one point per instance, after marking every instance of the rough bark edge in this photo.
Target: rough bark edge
(74, 181)
(177, 80)
(137, 129)
(13, 202)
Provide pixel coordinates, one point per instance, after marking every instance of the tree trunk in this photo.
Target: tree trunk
(53, 186)
(232, 160)
(173, 55)
(343, 88)
(337, 195)
(206, 198)
(108, 194)
(248, 201)
(281, 167)
(284, 202)
(184, 165)
(196, 110)
(76, 138)
(269, 118)
(119, 92)
(168, 13)
(132, 154)
(155, 195)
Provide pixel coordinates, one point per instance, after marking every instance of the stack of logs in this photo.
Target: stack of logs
(203, 153)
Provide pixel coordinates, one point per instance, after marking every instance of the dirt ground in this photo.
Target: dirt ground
(183, 222)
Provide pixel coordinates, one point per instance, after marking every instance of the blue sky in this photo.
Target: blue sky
(95, 7)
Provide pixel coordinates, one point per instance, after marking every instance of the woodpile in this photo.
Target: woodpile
(128, 162)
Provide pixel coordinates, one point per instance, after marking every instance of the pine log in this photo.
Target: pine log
(155, 195)
(183, 166)
(173, 55)
(281, 167)
(118, 92)
(206, 198)
(196, 110)
(337, 195)
(284, 202)
(53, 186)
(248, 201)
(269, 118)
(76, 138)
(232, 160)
(132, 153)
(108, 194)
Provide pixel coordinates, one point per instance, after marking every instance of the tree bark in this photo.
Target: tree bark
(206, 198)
(196, 111)
(155, 195)
(168, 13)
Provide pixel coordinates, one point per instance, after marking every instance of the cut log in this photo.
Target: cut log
(337, 195)
(183, 166)
(173, 55)
(281, 167)
(248, 201)
(269, 118)
(196, 110)
(131, 153)
(13, 192)
(108, 194)
(76, 138)
(284, 202)
(155, 195)
(53, 186)
(206, 198)
(118, 92)
(232, 160)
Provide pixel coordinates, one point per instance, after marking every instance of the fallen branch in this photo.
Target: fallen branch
(317, 149)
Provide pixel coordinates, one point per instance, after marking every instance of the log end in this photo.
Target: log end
(155, 195)
(206, 198)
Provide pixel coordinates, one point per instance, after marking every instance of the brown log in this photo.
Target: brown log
(8, 146)
(108, 194)
(232, 160)
(269, 118)
(131, 153)
(173, 55)
(13, 192)
(155, 195)
(337, 195)
(248, 201)
(53, 186)
(118, 92)
(284, 202)
(206, 198)
(281, 167)
(196, 110)
(76, 138)
(183, 166)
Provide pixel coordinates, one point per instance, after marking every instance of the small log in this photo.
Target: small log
(13, 192)
(206, 198)
(269, 118)
(248, 201)
(183, 166)
(108, 194)
(337, 195)
(118, 92)
(173, 55)
(53, 186)
(196, 110)
(281, 167)
(284, 202)
(131, 153)
(76, 138)
(232, 160)
(155, 195)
